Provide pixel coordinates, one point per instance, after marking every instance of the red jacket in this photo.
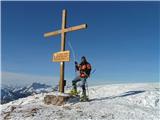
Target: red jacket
(85, 69)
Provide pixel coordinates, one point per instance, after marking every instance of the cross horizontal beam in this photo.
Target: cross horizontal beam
(70, 29)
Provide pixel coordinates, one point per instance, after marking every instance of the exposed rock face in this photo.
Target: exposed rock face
(59, 99)
(55, 100)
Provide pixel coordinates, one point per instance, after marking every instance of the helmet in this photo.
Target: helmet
(83, 59)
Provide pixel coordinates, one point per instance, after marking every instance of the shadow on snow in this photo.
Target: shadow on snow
(125, 94)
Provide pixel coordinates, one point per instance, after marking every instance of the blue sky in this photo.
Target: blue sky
(121, 41)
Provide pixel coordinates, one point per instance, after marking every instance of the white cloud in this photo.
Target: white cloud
(19, 79)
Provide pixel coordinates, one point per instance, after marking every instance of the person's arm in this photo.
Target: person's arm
(76, 66)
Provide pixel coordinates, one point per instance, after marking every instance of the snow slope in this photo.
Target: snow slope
(108, 102)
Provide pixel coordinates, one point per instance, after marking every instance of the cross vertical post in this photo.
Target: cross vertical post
(62, 64)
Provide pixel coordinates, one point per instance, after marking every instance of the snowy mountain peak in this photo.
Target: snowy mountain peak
(9, 93)
(36, 85)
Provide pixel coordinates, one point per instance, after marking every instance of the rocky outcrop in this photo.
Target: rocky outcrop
(60, 99)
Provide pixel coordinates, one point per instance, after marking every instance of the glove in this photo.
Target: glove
(76, 62)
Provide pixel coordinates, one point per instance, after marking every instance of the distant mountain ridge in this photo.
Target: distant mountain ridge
(13, 93)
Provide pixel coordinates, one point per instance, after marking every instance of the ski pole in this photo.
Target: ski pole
(87, 88)
(87, 82)
(93, 72)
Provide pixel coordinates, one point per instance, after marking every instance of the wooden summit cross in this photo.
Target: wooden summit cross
(63, 32)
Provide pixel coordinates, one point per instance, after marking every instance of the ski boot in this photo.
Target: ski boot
(74, 92)
(84, 97)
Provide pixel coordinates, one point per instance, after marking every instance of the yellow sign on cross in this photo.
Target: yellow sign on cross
(63, 56)
(63, 32)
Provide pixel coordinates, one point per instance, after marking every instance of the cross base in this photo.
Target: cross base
(60, 99)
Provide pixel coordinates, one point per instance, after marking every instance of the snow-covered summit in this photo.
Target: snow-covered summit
(107, 102)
